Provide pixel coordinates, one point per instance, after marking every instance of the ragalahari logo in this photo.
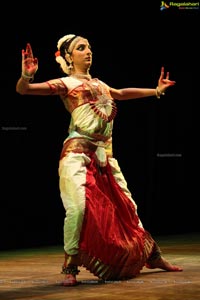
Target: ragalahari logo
(179, 5)
(164, 5)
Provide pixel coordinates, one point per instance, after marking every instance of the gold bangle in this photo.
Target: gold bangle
(27, 78)
(159, 93)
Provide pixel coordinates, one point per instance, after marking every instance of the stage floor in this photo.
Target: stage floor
(35, 274)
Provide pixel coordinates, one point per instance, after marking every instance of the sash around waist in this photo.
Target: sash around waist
(83, 145)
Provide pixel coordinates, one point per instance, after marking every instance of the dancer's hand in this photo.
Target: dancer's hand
(164, 82)
(29, 63)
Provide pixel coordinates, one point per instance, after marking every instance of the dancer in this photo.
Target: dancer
(102, 229)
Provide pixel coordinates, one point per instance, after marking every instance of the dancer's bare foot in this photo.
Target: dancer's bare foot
(161, 263)
(69, 280)
(70, 273)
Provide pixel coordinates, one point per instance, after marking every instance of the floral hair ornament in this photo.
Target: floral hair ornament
(57, 53)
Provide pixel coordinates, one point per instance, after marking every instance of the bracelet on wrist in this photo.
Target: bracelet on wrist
(26, 77)
(159, 93)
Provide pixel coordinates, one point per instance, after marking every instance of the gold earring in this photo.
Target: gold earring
(71, 65)
(68, 59)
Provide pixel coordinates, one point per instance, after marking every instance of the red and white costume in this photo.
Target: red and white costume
(101, 226)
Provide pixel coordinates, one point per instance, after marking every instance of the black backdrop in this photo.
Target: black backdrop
(153, 140)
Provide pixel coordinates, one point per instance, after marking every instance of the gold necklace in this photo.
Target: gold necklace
(82, 76)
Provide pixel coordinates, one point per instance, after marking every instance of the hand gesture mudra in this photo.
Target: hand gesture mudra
(29, 63)
(163, 83)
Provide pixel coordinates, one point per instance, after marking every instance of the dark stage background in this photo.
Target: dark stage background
(153, 139)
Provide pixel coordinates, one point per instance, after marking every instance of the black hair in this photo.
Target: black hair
(65, 46)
